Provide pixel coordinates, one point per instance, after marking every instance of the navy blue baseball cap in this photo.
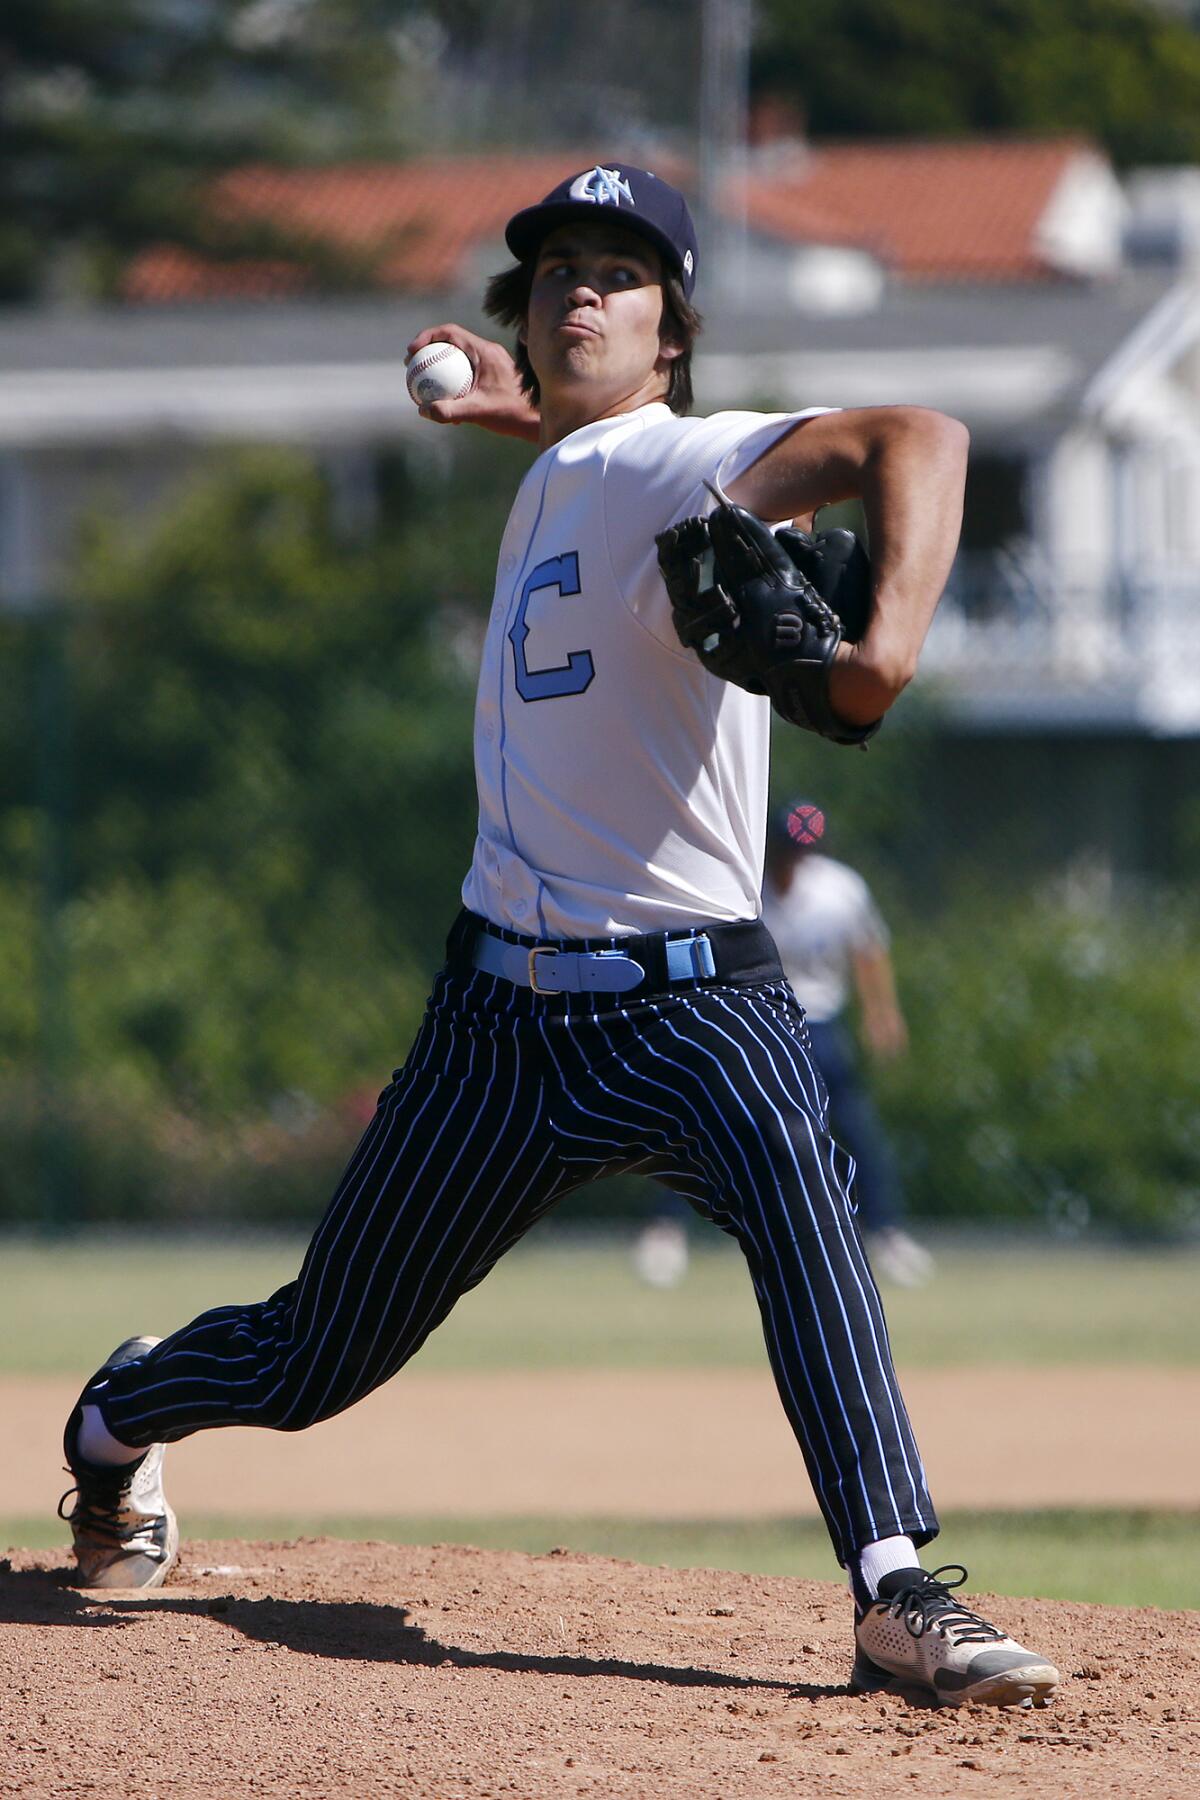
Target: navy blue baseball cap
(640, 200)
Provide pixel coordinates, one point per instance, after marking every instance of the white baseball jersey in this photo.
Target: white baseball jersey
(621, 787)
(826, 916)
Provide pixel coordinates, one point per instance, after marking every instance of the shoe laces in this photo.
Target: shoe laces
(929, 1606)
(100, 1506)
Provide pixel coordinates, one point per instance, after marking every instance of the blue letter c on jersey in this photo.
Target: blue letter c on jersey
(571, 677)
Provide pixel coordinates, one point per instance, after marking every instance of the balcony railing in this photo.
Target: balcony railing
(1024, 640)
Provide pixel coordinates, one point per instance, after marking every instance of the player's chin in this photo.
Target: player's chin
(579, 350)
(576, 360)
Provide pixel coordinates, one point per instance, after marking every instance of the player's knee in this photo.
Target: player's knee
(282, 1412)
(303, 1399)
(809, 1195)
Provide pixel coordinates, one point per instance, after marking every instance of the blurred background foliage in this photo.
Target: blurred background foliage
(1125, 72)
(1052, 1069)
(233, 842)
(113, 110)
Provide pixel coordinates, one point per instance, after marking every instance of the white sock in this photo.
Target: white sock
(880, 1559)
(97, 1443)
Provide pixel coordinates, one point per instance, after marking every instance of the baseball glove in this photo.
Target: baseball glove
(774, 610)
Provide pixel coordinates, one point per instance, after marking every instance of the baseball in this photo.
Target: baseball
(440, 372)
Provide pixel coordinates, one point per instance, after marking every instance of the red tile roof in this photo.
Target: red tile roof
(929, 211)
(165, 273)
(413, 224)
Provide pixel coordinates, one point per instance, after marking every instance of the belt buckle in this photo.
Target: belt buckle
(540, 950)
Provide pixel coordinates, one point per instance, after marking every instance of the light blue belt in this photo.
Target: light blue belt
(550, 971)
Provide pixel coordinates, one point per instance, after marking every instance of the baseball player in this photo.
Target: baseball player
(831, 938)
(610, 998)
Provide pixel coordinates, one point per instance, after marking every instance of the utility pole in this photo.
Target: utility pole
(55, 1099)
(46, 620)
(726, 30)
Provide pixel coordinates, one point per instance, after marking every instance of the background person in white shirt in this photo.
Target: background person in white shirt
(834, 945)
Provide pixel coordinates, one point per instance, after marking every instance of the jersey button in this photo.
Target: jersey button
(509, 564)
(489, 731)
(519, 909)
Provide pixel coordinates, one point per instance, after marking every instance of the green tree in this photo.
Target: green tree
(1051, 1070)
(272, 808)
(272, 771)
(111, 111)
(1123, 71)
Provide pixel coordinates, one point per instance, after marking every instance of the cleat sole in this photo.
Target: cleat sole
(1034, 1685)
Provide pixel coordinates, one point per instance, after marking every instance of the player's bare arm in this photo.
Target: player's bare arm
(908, 466)
(496, 400)
(882, 1021)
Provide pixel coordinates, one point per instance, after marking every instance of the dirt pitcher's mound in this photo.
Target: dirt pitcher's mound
(324, 1668)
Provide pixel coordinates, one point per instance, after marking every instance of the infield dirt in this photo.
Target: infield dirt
(322, 1668)
(646, 1443)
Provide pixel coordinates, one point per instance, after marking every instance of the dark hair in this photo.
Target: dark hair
(506, 298)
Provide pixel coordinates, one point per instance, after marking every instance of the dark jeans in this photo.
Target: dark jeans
(856, 1126)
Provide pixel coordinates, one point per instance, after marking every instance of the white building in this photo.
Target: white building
(986, 280)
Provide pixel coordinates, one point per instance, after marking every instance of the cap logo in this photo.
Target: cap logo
(689, 262)
(607, 187)
(806, 824)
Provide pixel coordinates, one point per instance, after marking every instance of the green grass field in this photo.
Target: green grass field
(1114, 1558)
(569, 1306)
(559, 1304)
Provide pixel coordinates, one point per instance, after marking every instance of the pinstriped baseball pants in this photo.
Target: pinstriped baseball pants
(510, 1099)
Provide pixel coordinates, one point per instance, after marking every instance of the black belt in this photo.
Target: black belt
(740, 952)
